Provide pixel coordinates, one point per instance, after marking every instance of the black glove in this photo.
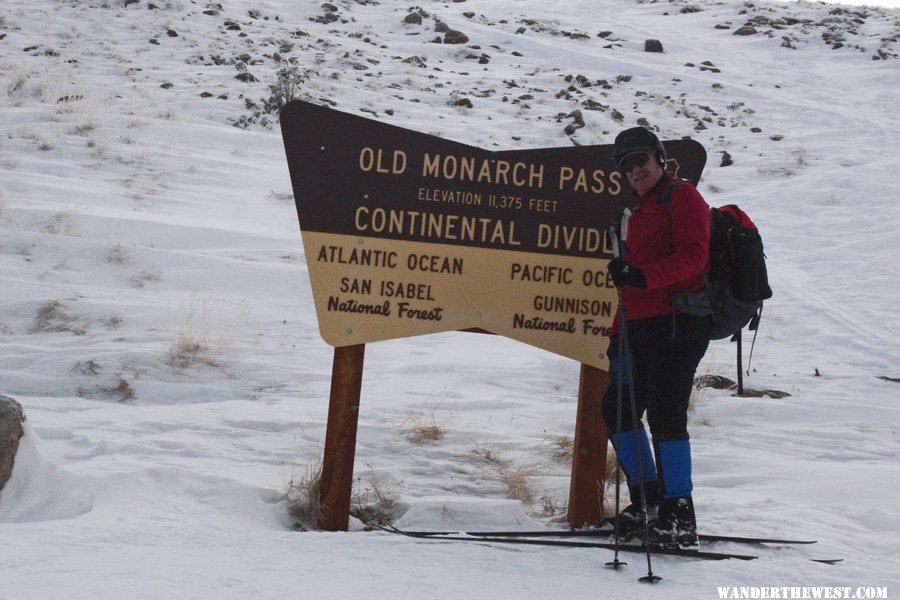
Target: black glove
(613, 349)
(624, 273)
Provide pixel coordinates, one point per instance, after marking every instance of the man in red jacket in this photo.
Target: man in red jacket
(666, 252)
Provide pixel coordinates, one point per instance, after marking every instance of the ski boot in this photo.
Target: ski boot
(675, 526)
(631, 523)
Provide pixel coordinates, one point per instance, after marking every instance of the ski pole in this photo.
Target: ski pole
(649, 577)
(620, 378)
(619, 249)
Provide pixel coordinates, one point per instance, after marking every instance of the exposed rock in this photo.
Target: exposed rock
(461, 102)
(716, 382)
(417, 61)
(327, 18)
(745, 30)
(727, 161)
(413, 18)
(11, 418)
(653, 46)
(453, 36)
(751, 393)
(577, 122)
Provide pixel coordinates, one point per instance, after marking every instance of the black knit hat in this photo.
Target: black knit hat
(638, 140)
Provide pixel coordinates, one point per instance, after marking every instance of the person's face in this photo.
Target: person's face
(642, 171)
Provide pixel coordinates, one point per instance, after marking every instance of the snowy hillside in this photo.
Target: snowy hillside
(157, 325)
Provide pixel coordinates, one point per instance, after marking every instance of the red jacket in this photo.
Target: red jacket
(671, 247)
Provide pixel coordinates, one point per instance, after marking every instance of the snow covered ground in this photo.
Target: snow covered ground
(156, 319)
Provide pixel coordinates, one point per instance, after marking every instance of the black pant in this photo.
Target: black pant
(665, 353)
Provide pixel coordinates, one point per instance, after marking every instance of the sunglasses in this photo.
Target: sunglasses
(633, 161)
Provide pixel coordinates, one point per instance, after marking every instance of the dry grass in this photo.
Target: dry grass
(193, 343)
(517, 482)
(491, 454)
(119, 255)
(186, 351)
(609, 484)
(694, 400)
(120, 391)
(375, 503)
(551, 505)
(704, 421)
(144, 277)
(421, 430)
(562, 448)
(54, 318)
(303, 498)
(283, 196)
(114, 322)
(60, 223)
(90, 368)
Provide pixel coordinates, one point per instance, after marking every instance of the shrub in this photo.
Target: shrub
(288, 85)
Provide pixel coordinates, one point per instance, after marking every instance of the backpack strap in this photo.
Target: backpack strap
(664, 196)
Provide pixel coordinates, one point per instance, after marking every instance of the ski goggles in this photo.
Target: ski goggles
(634, 160)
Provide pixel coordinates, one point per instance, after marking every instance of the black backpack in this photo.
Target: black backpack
(737, 282)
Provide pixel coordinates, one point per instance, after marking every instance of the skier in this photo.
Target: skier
(666, 250)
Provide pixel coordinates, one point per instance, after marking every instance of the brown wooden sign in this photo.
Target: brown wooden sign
(407, 234)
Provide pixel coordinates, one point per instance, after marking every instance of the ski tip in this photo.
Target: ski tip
(827, 561)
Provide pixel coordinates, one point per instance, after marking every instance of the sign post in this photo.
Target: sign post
(409, 234)
(336, 482)
(588, 451)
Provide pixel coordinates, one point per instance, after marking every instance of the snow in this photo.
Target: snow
(135, 219)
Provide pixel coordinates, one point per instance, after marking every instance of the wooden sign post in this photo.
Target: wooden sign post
(409, 234)
(336, 483)
(589, 450)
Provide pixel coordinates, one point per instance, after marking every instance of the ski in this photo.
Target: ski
(698, 555)
(562, 533)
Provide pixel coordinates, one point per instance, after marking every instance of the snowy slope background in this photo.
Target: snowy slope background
(156, 319)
